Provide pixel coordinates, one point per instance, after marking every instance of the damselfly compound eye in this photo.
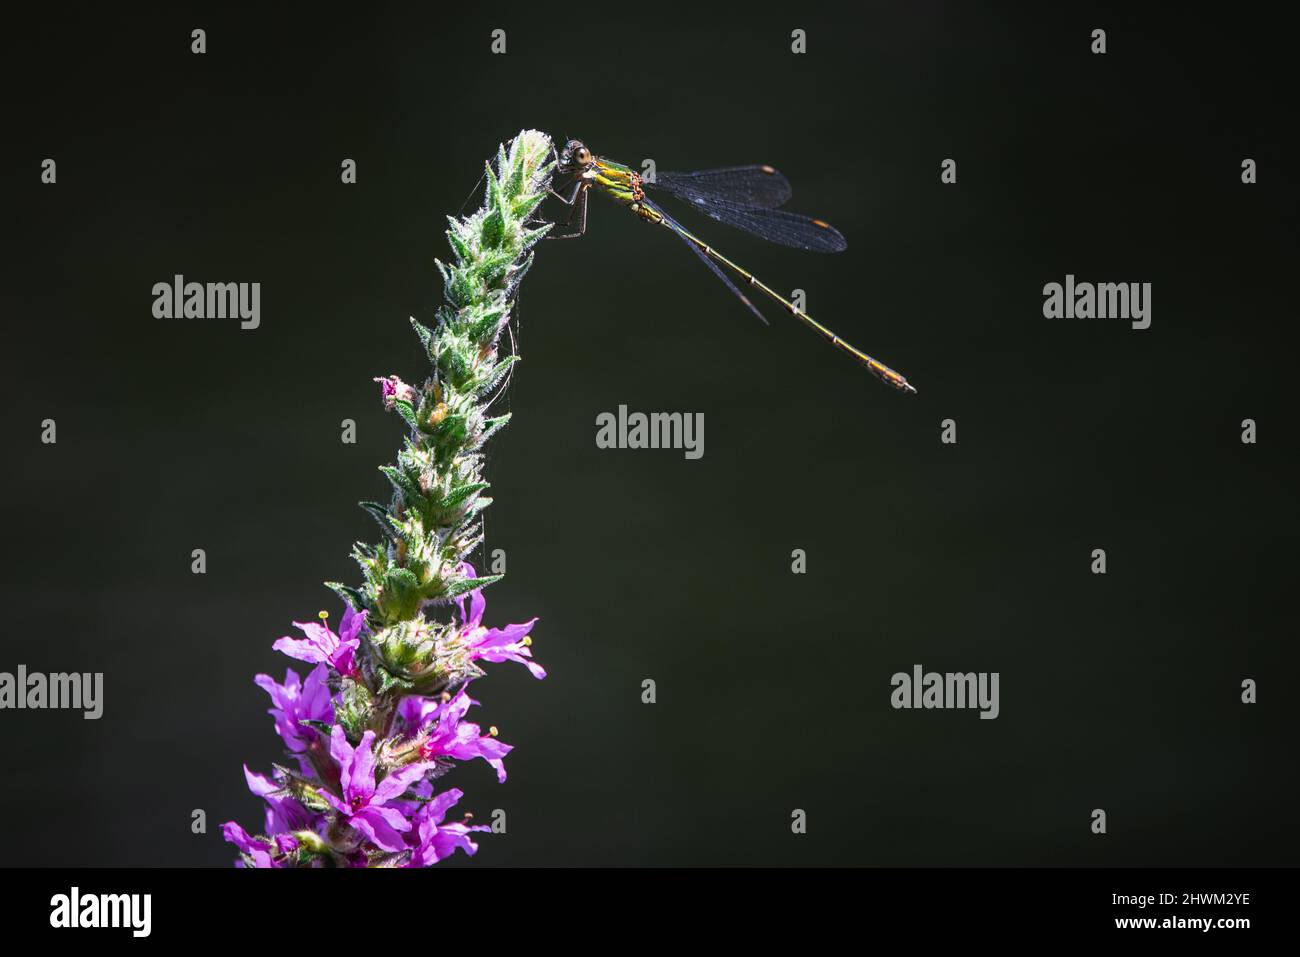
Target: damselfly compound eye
(582, 155)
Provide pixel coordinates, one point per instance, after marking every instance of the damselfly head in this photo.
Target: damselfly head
(575, 157)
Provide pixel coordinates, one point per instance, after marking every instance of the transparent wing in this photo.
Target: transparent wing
(776, 225)
(743, 185)
(713, 267)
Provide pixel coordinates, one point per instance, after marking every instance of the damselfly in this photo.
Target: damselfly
(746, 197)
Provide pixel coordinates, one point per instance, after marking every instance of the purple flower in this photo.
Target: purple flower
(296, 702)
(322, 645)
(449, 736)
(363, 804)
(435, 840)
(264, 853)
(392, 389)
(284, 812)
(494, 644)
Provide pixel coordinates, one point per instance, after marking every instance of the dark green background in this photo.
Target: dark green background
(1119, 692)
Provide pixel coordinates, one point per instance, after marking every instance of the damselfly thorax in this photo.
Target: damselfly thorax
(746, 197)
(617, 182)
(624, 186)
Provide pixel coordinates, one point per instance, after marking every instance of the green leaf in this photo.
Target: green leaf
(462, 287)
(492, 426)
(493, 195)
(425, 334)
(524, 205)
(494, 229)
(496, 374)
(495, 270)
(460, 586)
(406, 411)
(404, 485)
(388, 681)
(399, 597)
(350, 595)
(515, 184)
(532, 237)
(461, 494)
(485, 323)
(452, 366)
(380, 514)
(518, 275)
(457, 242)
